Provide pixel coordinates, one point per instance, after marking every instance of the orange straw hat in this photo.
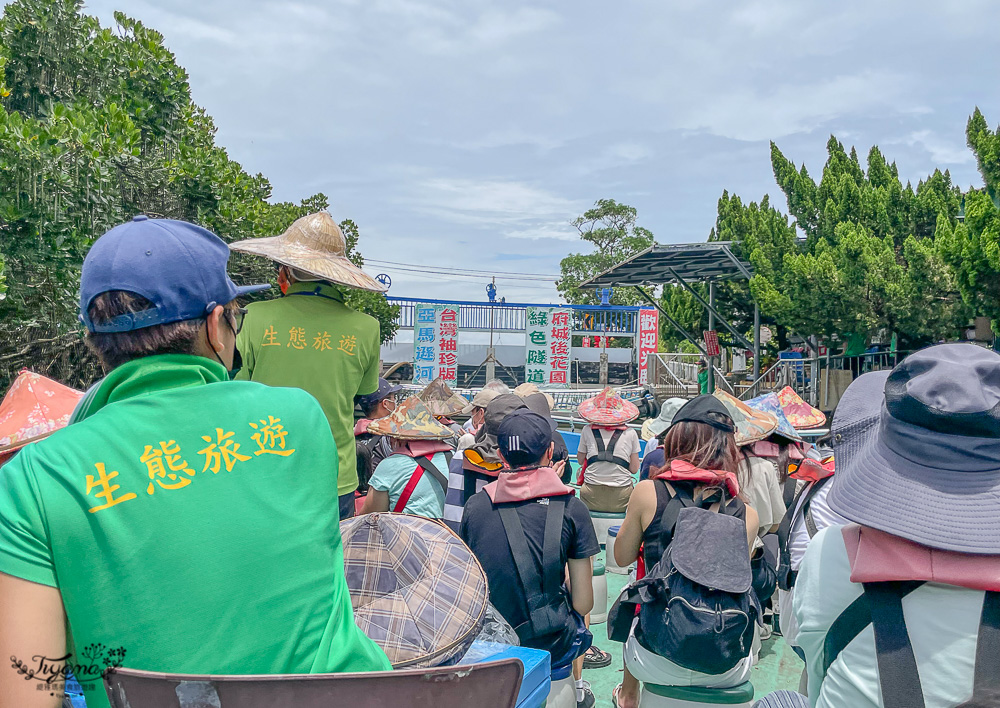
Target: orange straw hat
(751, 425)
(441, 400)
(33, 408)
(410, 421)
(316, 245)
(799, 413)
(607, 408)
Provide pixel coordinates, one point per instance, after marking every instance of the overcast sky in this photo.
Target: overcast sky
(468, 133)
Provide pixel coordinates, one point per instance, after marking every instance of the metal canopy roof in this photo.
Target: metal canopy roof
(693, 262)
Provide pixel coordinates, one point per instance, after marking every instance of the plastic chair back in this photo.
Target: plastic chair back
(491, 684)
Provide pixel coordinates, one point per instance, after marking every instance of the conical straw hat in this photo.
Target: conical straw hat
(769, 403)
(440, 399)
(751, 425)
(316, 245)
(607, 408)
(33, 408)
(800, 414)
(416, 589)
(410, 421)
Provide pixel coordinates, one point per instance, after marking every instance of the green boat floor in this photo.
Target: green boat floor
(777, 668)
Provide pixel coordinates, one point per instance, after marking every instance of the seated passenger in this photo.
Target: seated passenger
(918, 472)
(479, 464)
(509, 526)
(182, 521)
(701, 468)
(610, 451)
(413, 479)
(372, 449)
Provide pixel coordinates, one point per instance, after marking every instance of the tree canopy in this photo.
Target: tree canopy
(611, 228)
(96, 125)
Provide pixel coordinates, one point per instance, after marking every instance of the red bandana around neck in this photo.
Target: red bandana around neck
(522, 485)
(684, 471)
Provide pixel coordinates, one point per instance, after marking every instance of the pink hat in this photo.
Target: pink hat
(608, 408)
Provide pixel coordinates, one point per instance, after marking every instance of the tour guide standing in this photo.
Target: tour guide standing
(310, 339)
(181, 522)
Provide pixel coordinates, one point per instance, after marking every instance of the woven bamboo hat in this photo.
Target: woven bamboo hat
(752, 425)
(410, 421)
(316, 245)
(440, 399)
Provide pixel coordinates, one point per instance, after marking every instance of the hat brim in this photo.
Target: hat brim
(947, 509)
(336, 269)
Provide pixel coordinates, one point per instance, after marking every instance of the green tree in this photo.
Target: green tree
(610, 228)
(985, 144)
(97, 124)
(686, 310)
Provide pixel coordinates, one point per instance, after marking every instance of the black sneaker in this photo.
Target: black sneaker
(588, 697)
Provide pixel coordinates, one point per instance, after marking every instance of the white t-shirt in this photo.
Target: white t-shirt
(762, 490)
(609, 474)
(942, 621)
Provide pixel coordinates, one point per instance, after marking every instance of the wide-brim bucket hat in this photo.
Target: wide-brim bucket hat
(751, 425)
(800, 414)
(769, 403)
(314, 244)
(656, 426)
(918, 450)
(441, 400)
(416, 589)
(410, 421)
(607, 408)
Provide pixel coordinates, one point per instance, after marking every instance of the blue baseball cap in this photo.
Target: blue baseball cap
(384, 390)
(177, 266)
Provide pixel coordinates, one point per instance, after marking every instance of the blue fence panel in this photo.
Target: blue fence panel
(510, 317)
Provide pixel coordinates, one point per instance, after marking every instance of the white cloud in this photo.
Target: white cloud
(942, 150)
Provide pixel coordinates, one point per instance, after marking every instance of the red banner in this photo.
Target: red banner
(649, 339)
(712, 342)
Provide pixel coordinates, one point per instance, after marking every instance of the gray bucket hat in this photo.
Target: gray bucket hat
(918, 450)
(654, 426)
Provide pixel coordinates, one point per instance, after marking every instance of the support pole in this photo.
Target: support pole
(713, 314)
(756, 341)
(711, 326)
(671, 320)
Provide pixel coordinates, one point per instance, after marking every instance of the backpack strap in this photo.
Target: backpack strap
(852, 621)
(606, 453)
(786, 576)
(537, 584)
(788, 491)
(897, 667)
(424, 464)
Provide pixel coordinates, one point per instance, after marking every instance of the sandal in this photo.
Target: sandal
(614, 695)
(594, 658)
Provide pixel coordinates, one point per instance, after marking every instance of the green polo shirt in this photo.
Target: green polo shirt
(311, 340)
(190, 524)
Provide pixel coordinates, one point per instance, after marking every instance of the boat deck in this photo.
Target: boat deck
(778, 668)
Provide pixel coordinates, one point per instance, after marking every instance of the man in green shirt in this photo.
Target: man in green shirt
(181, 522)
(309, 338)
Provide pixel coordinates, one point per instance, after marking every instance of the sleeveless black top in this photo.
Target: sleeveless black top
(660, 531)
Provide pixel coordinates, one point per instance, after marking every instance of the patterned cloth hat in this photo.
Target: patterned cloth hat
(800, 414)
(769, 403)
(410, 421)
(440, 399)
(33, 408)
(316, 245)
(607, 408)
(751, 425)
(416, 589)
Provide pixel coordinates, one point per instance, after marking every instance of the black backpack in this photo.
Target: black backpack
(696, 605)
(549, 608)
